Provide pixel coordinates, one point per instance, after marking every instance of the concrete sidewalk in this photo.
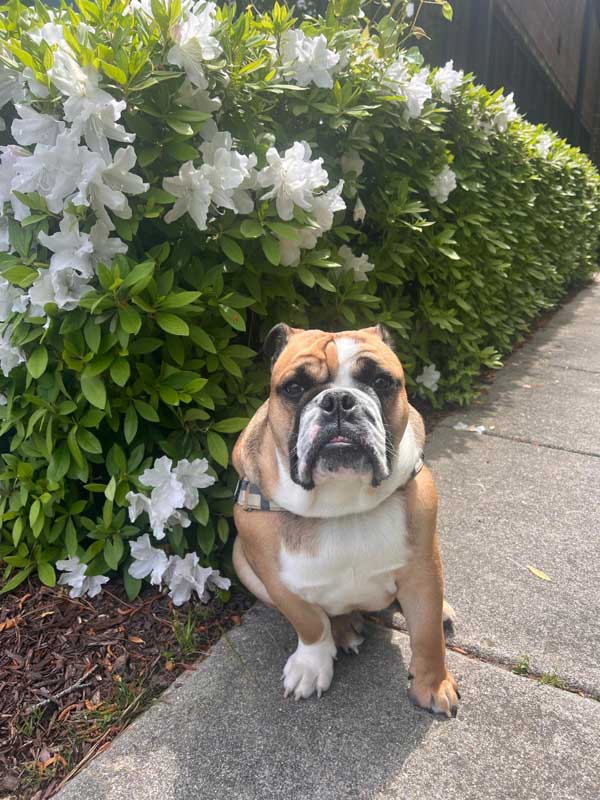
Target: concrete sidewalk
(525, 493)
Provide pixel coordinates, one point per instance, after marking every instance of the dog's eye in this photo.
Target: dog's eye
(293, 390)
(383, 383)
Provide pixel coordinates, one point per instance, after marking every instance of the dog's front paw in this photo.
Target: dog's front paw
(438, 696)
(309, 669)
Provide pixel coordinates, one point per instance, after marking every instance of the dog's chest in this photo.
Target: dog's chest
(354, 563)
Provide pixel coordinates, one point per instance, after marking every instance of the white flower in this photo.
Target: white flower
(429, 377)
(75, 577)
(71, 248)
(396, 76)
(63, 287)
(192, 475)
(36, 87)
(415, 88)
(34, 128)
(10, 357)
(410, 10)
(506, 114)
(193, 191)
(543, 145)
(184, 576)
(3, 399)
(443, 183)
(352, 162)
(228, 172)
(308, 58)
(216, 581)
(147, 560)
(12, 156)
(11, 300)
(54, 172)
(197, 99)
(194, 44)
(104, 184)
(360, 212)
(324, 206)
(359, 265)
(294, 178)
(417, 91)
(105, 248)
(446, 80)
(290, 252)
(92, 111)
(12, 83)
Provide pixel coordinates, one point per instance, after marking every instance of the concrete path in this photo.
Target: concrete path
(525, 493)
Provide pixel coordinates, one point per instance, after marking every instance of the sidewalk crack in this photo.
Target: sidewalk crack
(515, 666)
(533, 442)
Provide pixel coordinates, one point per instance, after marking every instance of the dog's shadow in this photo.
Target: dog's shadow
(363, 728)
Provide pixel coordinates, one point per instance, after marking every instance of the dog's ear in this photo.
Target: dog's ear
(386, 335)
(276, 340)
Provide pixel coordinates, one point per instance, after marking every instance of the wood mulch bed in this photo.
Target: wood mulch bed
(74, 673)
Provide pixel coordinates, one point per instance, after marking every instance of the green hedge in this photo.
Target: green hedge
(145, 255)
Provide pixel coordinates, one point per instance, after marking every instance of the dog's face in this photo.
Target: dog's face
(338, 405)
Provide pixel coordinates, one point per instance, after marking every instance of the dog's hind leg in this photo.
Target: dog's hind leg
(347, 630)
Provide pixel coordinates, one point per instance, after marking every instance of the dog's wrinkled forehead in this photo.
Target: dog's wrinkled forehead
(329, 356)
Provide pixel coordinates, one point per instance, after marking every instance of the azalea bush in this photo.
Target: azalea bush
(175, 179)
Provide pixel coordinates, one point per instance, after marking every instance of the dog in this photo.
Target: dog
(335, 511)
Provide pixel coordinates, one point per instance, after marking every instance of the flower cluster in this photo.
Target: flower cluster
(74, 575)
(359, 266)
(429, 377)
(183, 576)
(223, 179)
(443, 183)
(173, 489)
(308, 59)
(415, 88)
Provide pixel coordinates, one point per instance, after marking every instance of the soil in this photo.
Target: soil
(75, 672)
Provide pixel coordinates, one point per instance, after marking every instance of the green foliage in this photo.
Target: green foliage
(159, 357)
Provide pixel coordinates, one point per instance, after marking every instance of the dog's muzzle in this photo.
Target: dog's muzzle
(340, 433)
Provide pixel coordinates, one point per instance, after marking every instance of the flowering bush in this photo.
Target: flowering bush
(176, 178)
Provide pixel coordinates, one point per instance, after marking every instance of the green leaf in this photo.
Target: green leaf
(202, 339)
(271, 249)
(223, 529)
(120, 371)
(447, 11)
(181, 151)
(231, 425)
(146, 411)
(180, 127)
(59, 464)
(37, 361)
(130, 425)
(17, 579)
(130, 320)
(46, 573)
(71, 542)
(114, 72)
(233, 317)
(172, 324)
(132, 585)
(201, 513)
(179, 299)
(94, 390)
(217, 448)
(92, 333)
(232, 250)
(285, 231)
(113, 551)
(251, 229)
(88, 442)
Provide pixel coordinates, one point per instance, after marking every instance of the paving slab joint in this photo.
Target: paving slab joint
(517, 666)
(445, 423)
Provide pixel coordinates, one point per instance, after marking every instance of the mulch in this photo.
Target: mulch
(75, 672)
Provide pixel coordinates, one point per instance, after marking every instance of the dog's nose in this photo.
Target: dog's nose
(337, 402)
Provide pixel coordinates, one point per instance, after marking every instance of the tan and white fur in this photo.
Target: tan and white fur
(335, 447)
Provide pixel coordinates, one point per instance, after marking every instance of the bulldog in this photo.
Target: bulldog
(336, 513)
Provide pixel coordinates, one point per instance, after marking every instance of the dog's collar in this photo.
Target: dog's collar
(249, 496)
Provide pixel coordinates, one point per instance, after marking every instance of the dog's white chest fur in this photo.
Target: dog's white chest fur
(354, 563)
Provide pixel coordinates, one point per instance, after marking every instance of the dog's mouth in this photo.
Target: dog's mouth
(341, 456)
